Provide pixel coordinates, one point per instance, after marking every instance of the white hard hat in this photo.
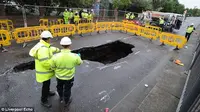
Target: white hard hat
(66, 10)
(76, 12)
(92, 10)
(46, 34)
(65, 41)
(70, 9)
(192, 24)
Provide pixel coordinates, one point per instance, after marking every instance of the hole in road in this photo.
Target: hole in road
(24, 66)
(106, 54)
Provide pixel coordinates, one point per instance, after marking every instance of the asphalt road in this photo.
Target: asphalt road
(118, 86)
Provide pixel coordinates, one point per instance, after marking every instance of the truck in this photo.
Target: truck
(172, 20)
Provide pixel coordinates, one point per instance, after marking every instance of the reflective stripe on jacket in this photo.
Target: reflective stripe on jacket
(42, 56)
(64, 64)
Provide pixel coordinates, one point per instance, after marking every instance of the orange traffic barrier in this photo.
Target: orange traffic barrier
(103, 26)
(6, 25)
(127, 22)
(47, 22)
(172, 39)
(148, 33)
(43, 22)
(85, 28)
(28, 34)
(63, 30)
(5, 38)
(131, 28)
(154, 27)
(116, 26)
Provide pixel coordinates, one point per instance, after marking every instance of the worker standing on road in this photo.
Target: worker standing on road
(128, 16)
(90, 17)
(161, 22)
(132, 16)
(83, 15)
(66, 15)
(71, 16)
(64, 64)
(42, 52)
(190, 30)
(76, 18)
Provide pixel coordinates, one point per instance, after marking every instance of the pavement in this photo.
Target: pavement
(119, 86)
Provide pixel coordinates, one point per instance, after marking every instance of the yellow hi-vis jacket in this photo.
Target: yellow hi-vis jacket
(42, 52)
(90, 17)
(162, 21)
(190, 29)
(64, 64)
(76, 18)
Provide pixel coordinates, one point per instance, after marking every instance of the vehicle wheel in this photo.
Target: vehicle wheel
(153, 24)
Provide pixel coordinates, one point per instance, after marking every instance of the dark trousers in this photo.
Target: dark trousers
(45, 90)
(162, 26)
(64, 88)
(187, 36)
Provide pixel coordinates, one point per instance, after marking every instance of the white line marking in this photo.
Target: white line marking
(137, 52)
(108, 41)
(102, 92)
(106, 97)
(111, 65)
(117, 67)
(129, 93)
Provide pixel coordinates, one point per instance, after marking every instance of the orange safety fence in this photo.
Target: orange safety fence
(28, 34)
(85, 28)
(103, 26)
(127, 22)
(148, 33)
(47, 22)
(172, 39)
(63, 30)
(117, 26)
(6, 25)
(131, 28)
(5, 38)
(154, 27)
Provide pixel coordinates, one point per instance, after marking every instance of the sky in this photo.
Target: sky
(190, 3)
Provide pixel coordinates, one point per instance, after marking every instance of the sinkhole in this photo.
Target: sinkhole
(106, 54)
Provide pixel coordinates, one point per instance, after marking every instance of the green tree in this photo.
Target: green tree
(121, 4)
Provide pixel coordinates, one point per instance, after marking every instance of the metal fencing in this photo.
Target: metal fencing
(190, 99)
(29, 15)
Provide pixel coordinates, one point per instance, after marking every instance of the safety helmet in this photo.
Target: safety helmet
(46, 34)
(192, 24)
(92, 10)
(66, 10)
(65, 41)
(76, 12)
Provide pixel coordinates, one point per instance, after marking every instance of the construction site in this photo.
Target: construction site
(127, 67)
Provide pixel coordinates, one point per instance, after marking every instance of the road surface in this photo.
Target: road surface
(119, 86)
